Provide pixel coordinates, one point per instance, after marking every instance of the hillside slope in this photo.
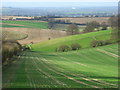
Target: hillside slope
(83, 39)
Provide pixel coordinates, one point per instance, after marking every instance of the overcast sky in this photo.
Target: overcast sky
(60, 0)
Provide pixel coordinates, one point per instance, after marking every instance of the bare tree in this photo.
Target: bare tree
(72, 29)
(91, 26)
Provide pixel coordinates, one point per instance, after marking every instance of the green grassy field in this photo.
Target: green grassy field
(86, 68)
(11, 26)
(28, 24)
(83, 39)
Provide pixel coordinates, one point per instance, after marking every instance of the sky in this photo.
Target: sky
(60, 0)
(59, 3)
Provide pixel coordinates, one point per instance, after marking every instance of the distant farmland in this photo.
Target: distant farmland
(28, 24)
(86, 20)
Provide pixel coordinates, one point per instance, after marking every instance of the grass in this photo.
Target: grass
(41, 25)
(83, 39)
(11, 26)
(86, 68)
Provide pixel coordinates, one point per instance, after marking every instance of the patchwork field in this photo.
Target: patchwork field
(83, 39)
(87, 68)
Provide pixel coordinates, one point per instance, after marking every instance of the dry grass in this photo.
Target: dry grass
(14, 17)
(8, 34)
(37, 35)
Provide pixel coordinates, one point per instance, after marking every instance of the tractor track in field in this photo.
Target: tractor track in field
(57, 81)
(113, 50)
(108, 53)
(26, 70)
(88, 58)
(73, 61)
(94, 61)
(81, 63)
(48, 75)
(84, 75)
(99, 82)
(67, 76)
(36, 66)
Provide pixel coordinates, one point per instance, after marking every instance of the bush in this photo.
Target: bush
(49, 38)
(75, 46)
(97, 43)
(64, 48)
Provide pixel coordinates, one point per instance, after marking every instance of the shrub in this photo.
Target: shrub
(32, 43)
(64, 48)
(75, 46)
(94, 43)
(49, 38)
(97, 43)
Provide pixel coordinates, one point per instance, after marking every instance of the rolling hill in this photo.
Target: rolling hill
(83, 39)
